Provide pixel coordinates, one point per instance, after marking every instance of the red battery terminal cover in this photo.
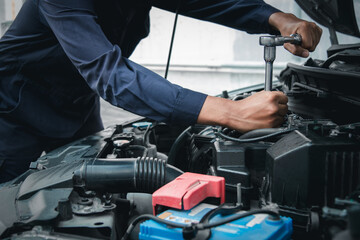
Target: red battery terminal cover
(188, 190)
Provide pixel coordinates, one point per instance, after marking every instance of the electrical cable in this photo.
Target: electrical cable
(235, 217)
(176, 145)
(275, 216)
(146, 136)
(223, 136)
(223, 209)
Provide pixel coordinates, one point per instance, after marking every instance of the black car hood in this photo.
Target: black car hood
(336, 14)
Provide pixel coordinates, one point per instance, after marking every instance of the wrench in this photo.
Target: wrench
(270, 43)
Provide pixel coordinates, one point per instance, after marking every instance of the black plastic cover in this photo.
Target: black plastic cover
(325, 89)
(307, 169)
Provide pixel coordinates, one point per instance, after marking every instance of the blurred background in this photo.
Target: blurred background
(206, 57)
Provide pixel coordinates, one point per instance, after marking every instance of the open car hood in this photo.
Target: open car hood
(335, 14)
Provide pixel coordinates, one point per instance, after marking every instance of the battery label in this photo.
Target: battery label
(200, 208)
(183, 220)
(258, 219)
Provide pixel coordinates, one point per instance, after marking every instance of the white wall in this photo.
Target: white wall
(8, 11)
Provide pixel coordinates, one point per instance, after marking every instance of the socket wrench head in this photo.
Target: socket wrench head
(272, 41)
(269, 54)
(269, 41)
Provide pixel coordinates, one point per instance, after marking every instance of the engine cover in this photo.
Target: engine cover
(306, 169)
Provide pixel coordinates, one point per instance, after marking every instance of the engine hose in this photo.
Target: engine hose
(125, 175)
(260, 132)
(255, 139)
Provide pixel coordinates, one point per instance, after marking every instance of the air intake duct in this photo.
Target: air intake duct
(125, 175)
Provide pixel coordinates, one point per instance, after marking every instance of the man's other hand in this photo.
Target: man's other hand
(289, 24)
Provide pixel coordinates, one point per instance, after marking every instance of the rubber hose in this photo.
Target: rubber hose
(125, 175)
(260, 132)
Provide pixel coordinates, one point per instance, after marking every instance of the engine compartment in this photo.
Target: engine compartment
(307, 170)
(302, 178)
(305, 173)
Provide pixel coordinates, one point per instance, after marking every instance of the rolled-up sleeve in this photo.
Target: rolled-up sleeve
(115, 78)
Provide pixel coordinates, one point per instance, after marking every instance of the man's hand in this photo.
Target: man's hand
(261, 110)
(288, 24)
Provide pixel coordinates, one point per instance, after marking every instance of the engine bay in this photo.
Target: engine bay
(149, 180)
(308, 171)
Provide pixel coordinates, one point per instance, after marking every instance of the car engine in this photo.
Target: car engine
(148, 180)
(308, 170)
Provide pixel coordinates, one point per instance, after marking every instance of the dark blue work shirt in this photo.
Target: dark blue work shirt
(59, 56)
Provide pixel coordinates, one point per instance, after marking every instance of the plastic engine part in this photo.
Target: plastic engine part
(188, 190)
(252, 227)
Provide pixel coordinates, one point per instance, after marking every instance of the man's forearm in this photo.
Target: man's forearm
(215, 111)
(261, 110)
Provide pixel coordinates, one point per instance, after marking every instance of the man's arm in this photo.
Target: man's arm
(252, 16)
(247, 15)
(264, 109)
(135, 88)
(115, 78)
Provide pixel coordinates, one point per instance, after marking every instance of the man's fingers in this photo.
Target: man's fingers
(296, 50)
(310, 33)
(289, 24)
(283, 109)
(316, 36)
(281, 98)
(278, 122)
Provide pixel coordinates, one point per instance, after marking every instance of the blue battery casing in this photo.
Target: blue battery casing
(257, 226)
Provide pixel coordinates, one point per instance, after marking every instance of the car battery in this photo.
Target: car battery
(258, 226)
(184, 199)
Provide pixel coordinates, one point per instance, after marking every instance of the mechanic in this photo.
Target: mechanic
(59, 56)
